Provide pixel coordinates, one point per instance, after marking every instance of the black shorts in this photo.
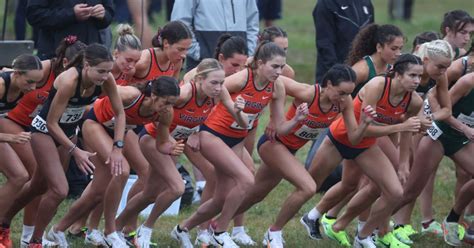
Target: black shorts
(229, 141)
(264, 138)
(346, 152)
(269, 9)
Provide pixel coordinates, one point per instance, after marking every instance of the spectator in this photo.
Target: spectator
(269, 11)
(57, 19)
(212, 18)
(400, 9)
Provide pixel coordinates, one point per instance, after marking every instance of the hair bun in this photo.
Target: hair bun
(124, 29)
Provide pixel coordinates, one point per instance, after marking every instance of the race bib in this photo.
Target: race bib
(182, 132)
(72, 115)
(308, 133)
(39, 124)
(434, 131)
(251, 118)
(3, 113)
(466, 120)
(36, 111)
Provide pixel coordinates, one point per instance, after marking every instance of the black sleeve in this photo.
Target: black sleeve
(372, 12)
(325, 37)
(43, 14)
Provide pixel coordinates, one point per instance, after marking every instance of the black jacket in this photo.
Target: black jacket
(56, 19)
(337, 23)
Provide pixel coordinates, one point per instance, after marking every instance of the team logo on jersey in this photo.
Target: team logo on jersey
(190, 111)
(403, 105)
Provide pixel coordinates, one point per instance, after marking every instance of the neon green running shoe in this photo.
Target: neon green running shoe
(409, 230)
(389, 241)
(401, 235)
(341, 237)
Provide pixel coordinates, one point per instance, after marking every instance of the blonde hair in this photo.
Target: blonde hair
(435, 48)
(127, 38)
(206, 66)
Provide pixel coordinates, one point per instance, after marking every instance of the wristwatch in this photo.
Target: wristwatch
(118, 143)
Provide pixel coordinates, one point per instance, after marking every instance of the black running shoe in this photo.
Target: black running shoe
(312, 226)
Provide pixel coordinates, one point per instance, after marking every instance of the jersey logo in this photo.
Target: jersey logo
(190, 111)
(265, 97)
(206, 110)
(345, 7)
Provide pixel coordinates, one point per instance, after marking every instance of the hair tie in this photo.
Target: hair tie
(70, 39)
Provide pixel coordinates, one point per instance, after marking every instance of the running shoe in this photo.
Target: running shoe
(224, 240)
(400, 233)
(273, 239)
(409, 230)
(451, 233)
(312, 227)
(242, 238)
(5, 240)
(469, 236)
(364, 243)
(95, 238)
(81, 234)
(341, 237)
(114, 240)
(203, 238)
(57, 237)
(182, 237)
(389, 241)
(434, 228)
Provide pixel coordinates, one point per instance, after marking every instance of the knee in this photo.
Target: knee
(19, 181)
(308, 190)
(177, 189)
(395, 195)
(59, 193)
(246, 183)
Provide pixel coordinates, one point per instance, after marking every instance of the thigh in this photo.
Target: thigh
(390, 150)
(276, 156)
(97, 139)
(326, 159)
(48, 159)
(134, 155)
(10, 165)
(351, 174)
(198, 160)
(463, 158)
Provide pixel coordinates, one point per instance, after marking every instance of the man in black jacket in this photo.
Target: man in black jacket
(57, 19)
(337, 22)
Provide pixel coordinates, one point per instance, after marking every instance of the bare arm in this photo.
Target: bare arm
(303, 92)
(234, 108)
(355, 132)
(442, 95)
(164, 143)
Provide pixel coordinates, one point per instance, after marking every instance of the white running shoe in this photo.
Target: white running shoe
(204, 238)
(364, 243)
(58, 237)
(144, 236)
(273, 239)
(113, 240)
(95, 238)
(45, 242)
(224, 240)
(182, 237)
(242, 238)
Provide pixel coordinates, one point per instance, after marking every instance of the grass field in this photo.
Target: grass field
(299, 25)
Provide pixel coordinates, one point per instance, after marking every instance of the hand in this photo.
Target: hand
(426, 123)
(82, 160)
(301, 112)
(412, 124)
(270, 131)
(98, 11)
(403, 176)
(82, 11)
(116, 161)
(468, 132)
(193, 142)
(239, 103)
(368, 114)
(177, 148)
(21, 138)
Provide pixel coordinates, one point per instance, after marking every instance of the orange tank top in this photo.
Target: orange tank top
(315, 122)
(154, 70)
(256, 100)
(105, 114)
(122, 80)
(386, 112)
(31, 103)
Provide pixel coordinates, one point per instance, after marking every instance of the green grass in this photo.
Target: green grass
(302, 55)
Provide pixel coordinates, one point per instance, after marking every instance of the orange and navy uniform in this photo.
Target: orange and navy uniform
(105, 115)
(31, 103)
(188, 118)
(122, 80)
(154, 70)
(386, 114)
(309, 128)
(221, 121)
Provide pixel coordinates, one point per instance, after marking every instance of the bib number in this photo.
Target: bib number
(466, 120)
(426, 108)
(434, 131)
(307, 133)
(39, 124)
(251, 118)
(182, 132)
(72, 115)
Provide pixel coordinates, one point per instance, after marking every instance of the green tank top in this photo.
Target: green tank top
(457, 52)
(372, 74)
(463, 110)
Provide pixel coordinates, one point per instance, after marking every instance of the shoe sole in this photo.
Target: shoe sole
(308, 229)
